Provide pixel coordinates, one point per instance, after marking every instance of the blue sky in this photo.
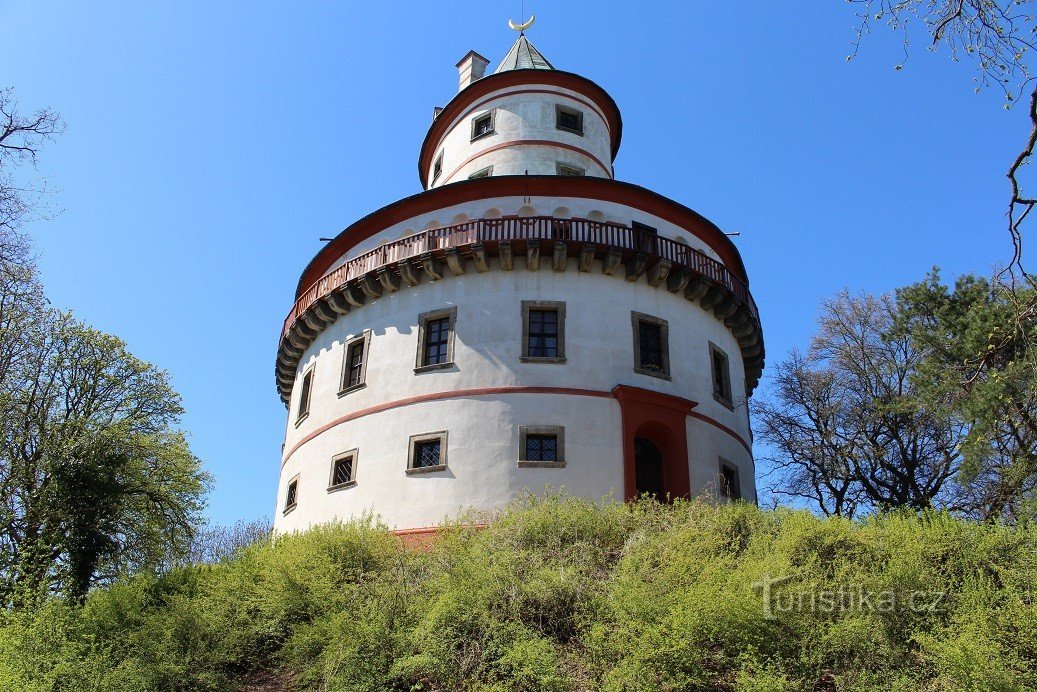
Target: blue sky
(209, 146)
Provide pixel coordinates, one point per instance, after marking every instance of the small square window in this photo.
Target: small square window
(481, 173)
(729, 485)
(291, 497)
(541, 446)
(569, 119)
(482, 125)
(435, 339)
(437, 167)
(569, 171)
(343, 470)
(427, 453)
(721, 375)
(303, 407)
(543, 331)
(651, 345)
(354, 363)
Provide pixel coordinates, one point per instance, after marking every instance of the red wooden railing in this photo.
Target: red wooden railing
(523, 229)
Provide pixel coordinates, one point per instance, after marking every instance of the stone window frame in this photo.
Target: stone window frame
(302, 406)
(492, 114)
(577, 172)
(635, 324)
(440, 435)
(559, 109)
(735, 488)
(423, 320)
(364, 339)
(437, 167)
(725, 374)
(526, 430)
(351, 454)
(289, 507)
(559, 307)
(482, 173)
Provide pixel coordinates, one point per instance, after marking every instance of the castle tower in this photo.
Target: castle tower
(526, 321)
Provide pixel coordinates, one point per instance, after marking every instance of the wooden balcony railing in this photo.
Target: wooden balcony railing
(513, 228)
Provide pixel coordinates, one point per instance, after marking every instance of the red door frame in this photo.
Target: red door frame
(661, 418)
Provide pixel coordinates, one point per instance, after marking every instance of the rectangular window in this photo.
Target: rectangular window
(437, 167)
(570, 171)
(354, 363)
(303, 409)
(651, 345)
(481, 173)
(721, 375)
(569, 119)
(343, 470)
(541, 446)
(646, 238)
(292, 495)
(436, 339)
(482, 125)
(543, 331)
(427, 453)
(729, 485)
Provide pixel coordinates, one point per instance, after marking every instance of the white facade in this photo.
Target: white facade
(594, 400)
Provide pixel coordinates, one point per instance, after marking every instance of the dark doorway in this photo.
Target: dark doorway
(648, 468)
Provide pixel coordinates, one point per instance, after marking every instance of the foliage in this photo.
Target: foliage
(566, 594)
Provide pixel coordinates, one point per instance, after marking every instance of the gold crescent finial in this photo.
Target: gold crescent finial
(522, 27)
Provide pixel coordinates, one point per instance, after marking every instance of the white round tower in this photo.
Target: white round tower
(526, 321)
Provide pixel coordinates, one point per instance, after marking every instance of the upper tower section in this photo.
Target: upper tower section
(525, 118)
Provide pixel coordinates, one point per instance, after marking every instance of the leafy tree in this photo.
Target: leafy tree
(981, 362)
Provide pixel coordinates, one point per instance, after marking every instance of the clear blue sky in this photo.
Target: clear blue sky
(210, 145)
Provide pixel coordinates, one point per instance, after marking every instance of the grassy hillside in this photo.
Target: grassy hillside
(567, 595)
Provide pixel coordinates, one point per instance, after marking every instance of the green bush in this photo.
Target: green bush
(560, 594)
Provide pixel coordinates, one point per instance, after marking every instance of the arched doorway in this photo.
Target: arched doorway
(648, 469)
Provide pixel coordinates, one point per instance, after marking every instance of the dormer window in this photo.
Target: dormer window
(437, 167)
(569, 119)
(482, 125)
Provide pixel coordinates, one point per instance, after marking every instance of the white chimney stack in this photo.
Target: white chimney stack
(471, 68)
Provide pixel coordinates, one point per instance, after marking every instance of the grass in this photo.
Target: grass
(564, 594)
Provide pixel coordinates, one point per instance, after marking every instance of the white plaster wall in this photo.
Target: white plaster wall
(483, 436)
(520, 117)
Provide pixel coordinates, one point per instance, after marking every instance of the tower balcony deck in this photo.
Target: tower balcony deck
(623, 251)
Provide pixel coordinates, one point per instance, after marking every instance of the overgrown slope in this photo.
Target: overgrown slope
(561, 594)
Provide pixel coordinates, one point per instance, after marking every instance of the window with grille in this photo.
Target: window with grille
(721, 375)
(543, 331)
(541, 445)
(427, 452)
(354, 364)
(342, 469)
(304, 396)
(569, 119)
(482, 125)
(651, 345)
(437, 339)
(291, 497)
(729, 486)
(437, 167)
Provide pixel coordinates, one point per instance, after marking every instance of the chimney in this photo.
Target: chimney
(471, 68)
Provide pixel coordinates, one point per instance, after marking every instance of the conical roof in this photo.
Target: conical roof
(523, 56)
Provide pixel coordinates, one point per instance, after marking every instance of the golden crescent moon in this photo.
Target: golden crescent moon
(522, 27)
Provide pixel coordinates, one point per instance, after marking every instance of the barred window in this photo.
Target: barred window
(437, 339)
(342, 470)
(303, 409)
(291, 496)
(543, 331)
(651, 345)
(541, 445)
(721, 375)
(651, 336)
(427, 452)
(569, 119)
(729, 485)
(541, 448)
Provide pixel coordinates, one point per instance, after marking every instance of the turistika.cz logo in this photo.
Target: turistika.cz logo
(778, 599)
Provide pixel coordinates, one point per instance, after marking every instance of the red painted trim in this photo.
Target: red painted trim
(585, 187)
(717, 424)
(662, 419)
(485, 86)
(439, 396)
(533, 143)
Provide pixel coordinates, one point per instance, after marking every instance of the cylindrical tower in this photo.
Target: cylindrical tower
(527, 321)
